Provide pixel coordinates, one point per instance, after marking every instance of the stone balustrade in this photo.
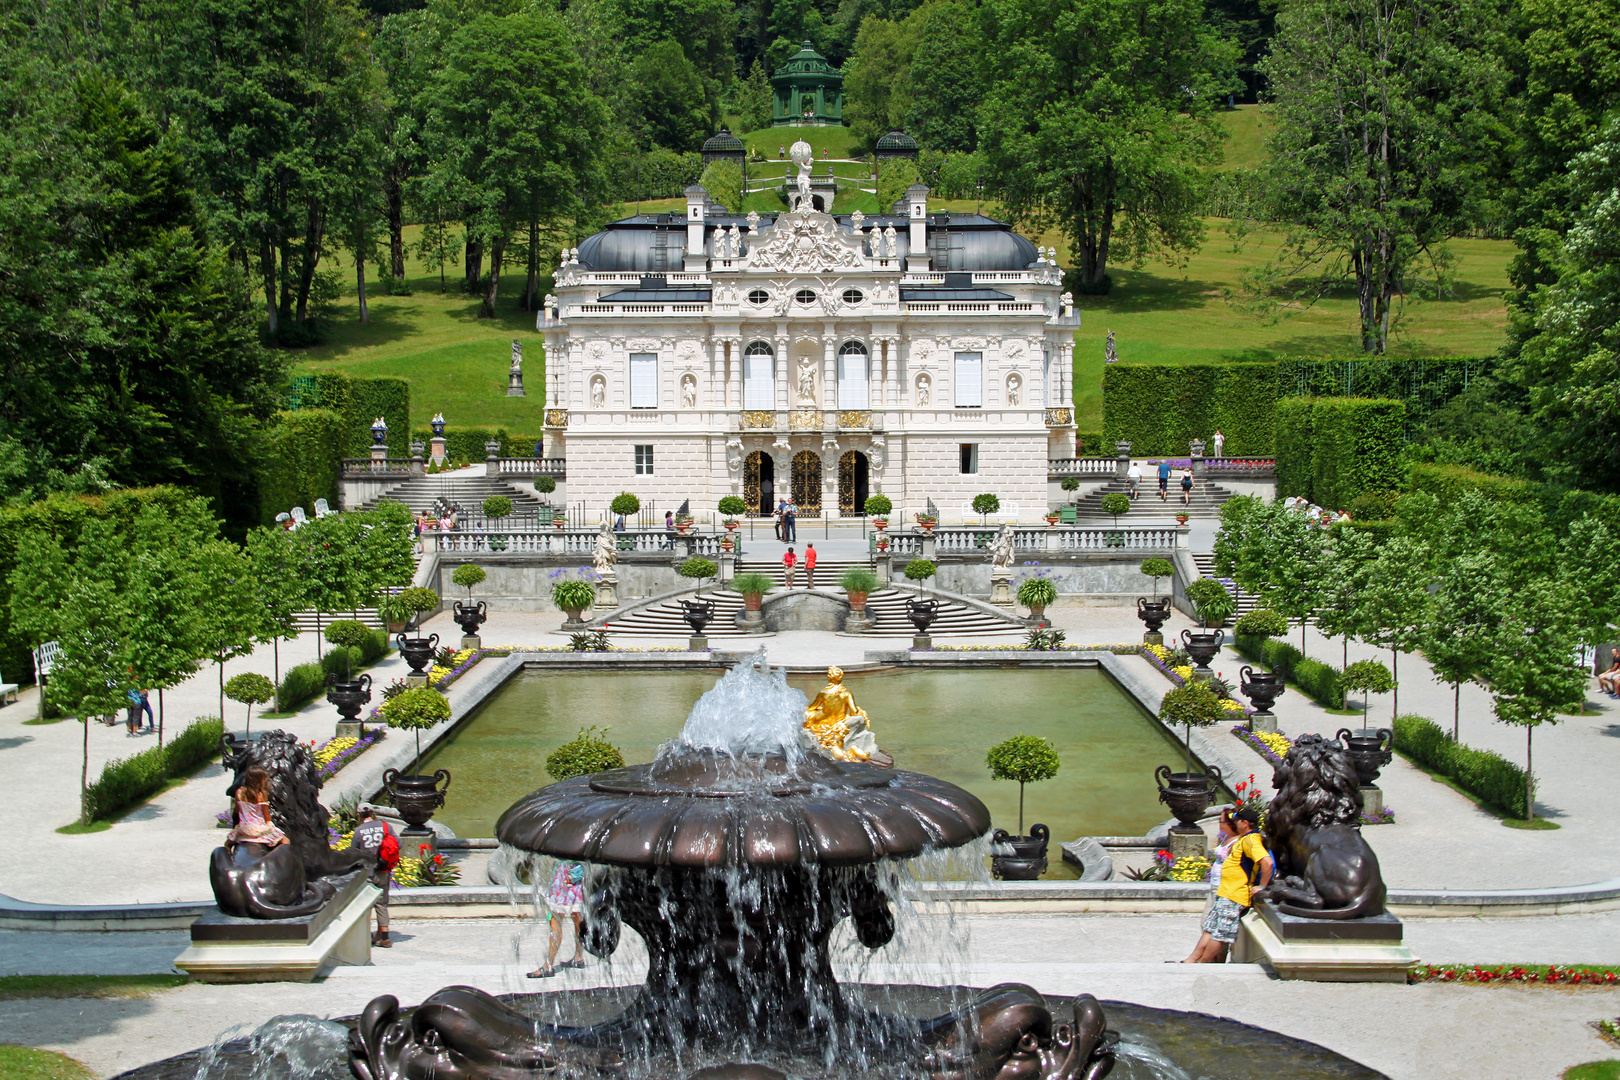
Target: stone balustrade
(1057, 468)
(569, 541)
(377, 466)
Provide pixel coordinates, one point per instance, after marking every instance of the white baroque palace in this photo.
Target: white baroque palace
(924, 356)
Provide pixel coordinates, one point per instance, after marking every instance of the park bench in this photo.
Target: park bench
(8, 690)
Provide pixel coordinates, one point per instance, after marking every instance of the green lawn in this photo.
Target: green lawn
(1245, 136)
(26, 1063)
(839, 142)
(457, 362)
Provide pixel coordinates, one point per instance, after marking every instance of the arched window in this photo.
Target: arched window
(852, 376)
(759, 376)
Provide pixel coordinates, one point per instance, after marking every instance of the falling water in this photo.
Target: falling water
(283, 1048)
(750, 711)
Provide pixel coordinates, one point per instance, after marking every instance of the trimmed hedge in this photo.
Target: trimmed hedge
(656, 174)
(300, 685)
(467, 444)
(1489, 777)
(1160, 409)
(1447, 483)
(359, 402)
(302, 461)
(360, 656)
(1096, 444)
(126, 781)
(1423, 383)
(1315, 678)
(1332, 449)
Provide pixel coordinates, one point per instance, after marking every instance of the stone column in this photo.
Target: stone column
(829, 372)
(930, 545)
(728, 567)
(885, 567)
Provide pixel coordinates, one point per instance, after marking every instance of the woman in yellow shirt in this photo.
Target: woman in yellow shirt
(1246, 863)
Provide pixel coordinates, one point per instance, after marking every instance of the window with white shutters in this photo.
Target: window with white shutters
(644, 380)
(969, 380)
(759, 390)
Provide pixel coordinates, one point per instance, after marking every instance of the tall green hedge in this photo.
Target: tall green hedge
(360, 401)
(1160, 409)
(304, 449)
(1487, 776)
(1422, 383)
(467, 444)
(1562, 506)
(1332, 449)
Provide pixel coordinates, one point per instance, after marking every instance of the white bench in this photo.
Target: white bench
(8, 690)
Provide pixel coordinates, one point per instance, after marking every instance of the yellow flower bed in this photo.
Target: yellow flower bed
(332, 749)
(436, 674)
(1190, 868)
(408, 874)
(1158, 650)
(1185, 671)
(1277, 744)
(1231, 706)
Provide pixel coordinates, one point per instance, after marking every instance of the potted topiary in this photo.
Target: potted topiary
(544, 486)
(1071, 484)
(698, 568)
(1036, 593)
(348, 694)
(624, 504)
(1028, 760)
(1116, 503)
(753, 588)
(415, 796)
(731, 506)
(858, 583)
(495, 508)
(469, 616)
(878, 508)
(250, 689)
(1211, 601)
(920, 570)
(1155, 612)
(574, 597)
(985, 505)
(1188, 794)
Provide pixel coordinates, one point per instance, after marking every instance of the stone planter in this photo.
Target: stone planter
(926, 526)
(416, 797)
(1154, 614)
(1369, 752)
(731, 526)
(1187, 795)
(751, 601)
(1037, 615)
(1052, 520)
(1181, 519)
(1202, 647)
(857, 601)
(880, 523)
(417, 651)
(1262, 688)
(1026, 855)
(574, 622)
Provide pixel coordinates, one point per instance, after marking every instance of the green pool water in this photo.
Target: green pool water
(936, 722)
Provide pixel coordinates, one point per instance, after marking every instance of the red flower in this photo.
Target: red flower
(438, 860)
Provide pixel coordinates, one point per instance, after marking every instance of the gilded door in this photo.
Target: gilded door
(759, 486)
(852, 483)
(807, 482)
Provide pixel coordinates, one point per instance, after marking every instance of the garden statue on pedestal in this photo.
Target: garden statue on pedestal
(416, 796)
(836, 727)
(1001, 560)
(604, 560)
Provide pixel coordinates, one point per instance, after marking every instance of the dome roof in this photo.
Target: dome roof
(806, 62)
(897, 140)
(978, 244)
(636, 245)
(724, 140)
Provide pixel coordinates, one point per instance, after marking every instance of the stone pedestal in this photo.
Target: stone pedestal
(885, 567)
(1153, 637)
(1051, 540)
(922, 641)
(607, 592)
(346, 729)
(1372, 799)
(752, 621)
(471, 641)
(225, 949)
(728, 567)
(411, 840)
(1188, 840)
(697, 643)
(414, 680)
(436, 449)
(1323, 950)
(514, 383)
(1001, 593)
(379, 453)
(930, 545)
(1265, 721)
(857, 622)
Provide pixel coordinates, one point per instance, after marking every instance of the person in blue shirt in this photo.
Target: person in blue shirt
(1164, 481)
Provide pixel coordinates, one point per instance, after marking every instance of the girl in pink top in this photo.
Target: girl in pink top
(253, 824)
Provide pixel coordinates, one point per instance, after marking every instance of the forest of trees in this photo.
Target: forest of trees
(182, 175)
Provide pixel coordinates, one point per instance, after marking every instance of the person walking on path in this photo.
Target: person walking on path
(375, 837)
(1245, 869)
(1133, 476)
(565, 898)
(1164, 480)
(1217, 443)
(1186, 488)
(789, 564)
(809, 566)
(790, 522)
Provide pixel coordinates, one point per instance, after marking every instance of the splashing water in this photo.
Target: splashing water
(282, 1048)
(750, 711)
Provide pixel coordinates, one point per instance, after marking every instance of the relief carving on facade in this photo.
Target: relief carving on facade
(805, 242)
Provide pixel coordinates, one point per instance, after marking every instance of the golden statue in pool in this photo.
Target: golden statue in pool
(837, 727)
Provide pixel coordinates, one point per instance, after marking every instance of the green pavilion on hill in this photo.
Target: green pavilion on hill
(807, 90)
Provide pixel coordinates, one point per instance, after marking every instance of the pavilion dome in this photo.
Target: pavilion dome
(722, 141)
(897, 140)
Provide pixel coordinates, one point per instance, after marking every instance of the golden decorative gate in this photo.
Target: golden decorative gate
(759, 487)
(807, 482)
(852, 483)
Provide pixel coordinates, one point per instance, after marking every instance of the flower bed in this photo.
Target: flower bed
(1188, 868)
(426, 870)
(1537, 974)
(333, 754)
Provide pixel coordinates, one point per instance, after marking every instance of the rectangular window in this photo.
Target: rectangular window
(644, 380)
(969, 380)
(970, 457)
(643, 460)
(758, 389)
(852, 381)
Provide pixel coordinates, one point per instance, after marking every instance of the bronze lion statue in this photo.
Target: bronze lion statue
(1324, 868)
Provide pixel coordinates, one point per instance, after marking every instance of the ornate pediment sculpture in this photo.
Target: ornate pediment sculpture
(805, 242)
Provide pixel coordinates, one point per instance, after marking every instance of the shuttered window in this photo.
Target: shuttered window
(969, 380)
(644, 380)
(758, 389)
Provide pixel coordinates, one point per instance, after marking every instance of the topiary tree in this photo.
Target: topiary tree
(1263, 623)
(1211, 600)
(1370, 677)
(1192, 704)
(920, 569)
(985, 505)
(348, 634)
(589, 752)
(573, 596)
(545, 485)
(497, 507)
(1116, 503)
(1156, 569)
(733, 506)
(624, 503)
(467, 575)
(698, 568)
(416, 709)
(1070, 484)
(878, 505)
(250, 689)
(1027, 759)
(417, 599)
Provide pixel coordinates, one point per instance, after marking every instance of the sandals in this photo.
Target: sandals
(575, 963)
(541, 973)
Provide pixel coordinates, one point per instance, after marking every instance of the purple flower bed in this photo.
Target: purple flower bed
(366, 741)
(1384, 817)
(1249, 738)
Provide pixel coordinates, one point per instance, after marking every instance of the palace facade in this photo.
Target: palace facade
(927, 356)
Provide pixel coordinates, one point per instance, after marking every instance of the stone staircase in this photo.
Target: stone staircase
(418, 495)
(1246, 601)
(1207, 498)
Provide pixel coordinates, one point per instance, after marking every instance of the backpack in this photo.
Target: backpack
(388, 851)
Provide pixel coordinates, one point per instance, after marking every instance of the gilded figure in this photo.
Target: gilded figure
(835, 726)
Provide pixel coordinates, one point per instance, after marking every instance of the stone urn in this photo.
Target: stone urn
(416, 797)
(1025, 856)
(470, 617)
(1154, 614)
(1369, 752)
(1202, 647)
(417, 651)
(1187, 795)
(880, 523)
(1262, 688)
(697, 613)
(927, 524)
(1037, 616)
(349, 695)
(730, 524)
(1052, 520)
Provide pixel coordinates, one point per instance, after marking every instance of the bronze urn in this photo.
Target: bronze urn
(1202, 647)
(1369, 752)
(1154, 613)
(417, 651)
(416, 797)
(349, 695)
(470, 616)
(697, 614)
(1025, 858)
(1187, 795)
(922, 613)
(1262, 688)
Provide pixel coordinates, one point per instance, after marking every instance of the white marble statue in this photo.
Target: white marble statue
(922, 390)
(1001, 551)
(517, 355)
(802, 156)
(688, 392)
(598, 392)
(890, 243)
(606, 554)
(1014, 384)
(807, 381)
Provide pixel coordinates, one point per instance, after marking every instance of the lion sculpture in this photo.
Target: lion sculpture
(288, 881)
(1324, 868)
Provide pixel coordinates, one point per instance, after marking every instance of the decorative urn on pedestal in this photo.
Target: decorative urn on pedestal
(469, 617)
(1262, 688)
(418, 652)
(1019, 858)
(922, 614)
(1154, 614)
(416, 798)
(698, 614)
(1202, 647)
(1369, 752)
(350, 696)
(1188, 795)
